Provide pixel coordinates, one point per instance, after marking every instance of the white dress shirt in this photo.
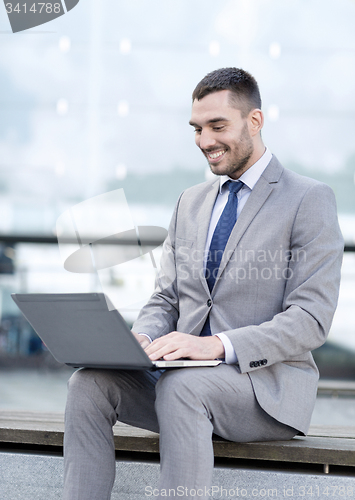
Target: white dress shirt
(249, 179)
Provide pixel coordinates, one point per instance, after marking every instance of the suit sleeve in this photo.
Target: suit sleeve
(311, 289)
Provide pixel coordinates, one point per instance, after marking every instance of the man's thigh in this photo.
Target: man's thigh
(124, 395)
(227, 398)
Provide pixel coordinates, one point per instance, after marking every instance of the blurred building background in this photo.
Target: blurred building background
(99, 99)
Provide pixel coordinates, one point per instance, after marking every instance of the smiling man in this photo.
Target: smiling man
(249, 273)
(230, 142)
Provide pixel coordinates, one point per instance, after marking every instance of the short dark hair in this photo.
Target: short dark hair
(241, 83)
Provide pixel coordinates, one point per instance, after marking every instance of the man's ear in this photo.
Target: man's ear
(256, 121)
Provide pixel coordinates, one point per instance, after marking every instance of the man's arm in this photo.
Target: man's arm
(159, 316)
(311, 291)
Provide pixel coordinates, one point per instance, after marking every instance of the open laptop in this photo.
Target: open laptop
(80, 331)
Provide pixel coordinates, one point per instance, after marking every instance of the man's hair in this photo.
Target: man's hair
(244, 88)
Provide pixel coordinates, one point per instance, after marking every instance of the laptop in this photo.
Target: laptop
(80, 331)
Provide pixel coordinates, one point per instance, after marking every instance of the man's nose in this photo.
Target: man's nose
(206, 139)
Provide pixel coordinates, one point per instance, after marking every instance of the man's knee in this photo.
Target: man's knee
(87, 388)
(173, 381)
(178, 388)
(80, 381)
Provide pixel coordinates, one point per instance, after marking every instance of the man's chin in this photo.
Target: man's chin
(216, 168)
(232, 172)
(219, 170)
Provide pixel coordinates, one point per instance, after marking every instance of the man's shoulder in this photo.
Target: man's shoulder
(287, 178)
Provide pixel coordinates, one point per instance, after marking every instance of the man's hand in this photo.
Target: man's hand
(142, 339)
(176, 345)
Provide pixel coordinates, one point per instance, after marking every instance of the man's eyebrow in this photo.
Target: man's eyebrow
(213, 120)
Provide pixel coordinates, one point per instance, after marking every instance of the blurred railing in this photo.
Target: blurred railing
(14, 239)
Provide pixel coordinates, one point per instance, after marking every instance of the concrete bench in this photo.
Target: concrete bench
(326, 445)
(324, 459)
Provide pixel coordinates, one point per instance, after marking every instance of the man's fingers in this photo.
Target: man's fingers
(167, 345)
(177, 345)
(157, 352)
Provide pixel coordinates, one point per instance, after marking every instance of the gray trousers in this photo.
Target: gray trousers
(184, 405)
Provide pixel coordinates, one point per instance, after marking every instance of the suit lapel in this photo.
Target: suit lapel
(260, 193)
(203, 222)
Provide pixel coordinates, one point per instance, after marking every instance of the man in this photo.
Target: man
(250, 273)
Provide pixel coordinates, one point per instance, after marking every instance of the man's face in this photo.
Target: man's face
(222, 134)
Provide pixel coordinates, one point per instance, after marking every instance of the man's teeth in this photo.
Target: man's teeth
(213, 156)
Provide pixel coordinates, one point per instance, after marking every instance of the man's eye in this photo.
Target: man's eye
(197, 131)
(218, 128)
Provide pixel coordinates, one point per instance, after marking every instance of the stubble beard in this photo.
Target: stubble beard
(243, 151)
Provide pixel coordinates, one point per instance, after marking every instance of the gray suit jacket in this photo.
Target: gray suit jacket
(276, 289)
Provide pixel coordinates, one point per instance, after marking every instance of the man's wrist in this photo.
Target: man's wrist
(219, 352)
(146, 335)
(229, 352)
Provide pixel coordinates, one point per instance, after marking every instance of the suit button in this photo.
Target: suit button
(264, 362)
(252, 364)
(209, 302)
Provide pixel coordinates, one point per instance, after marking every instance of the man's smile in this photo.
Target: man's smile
(216, 156)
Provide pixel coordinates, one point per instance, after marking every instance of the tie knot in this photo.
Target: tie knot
(234, 187)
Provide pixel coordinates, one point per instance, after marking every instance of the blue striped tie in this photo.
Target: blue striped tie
(219, 240)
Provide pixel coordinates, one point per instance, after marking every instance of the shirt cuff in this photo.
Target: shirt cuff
(229, 352)
(149, 338)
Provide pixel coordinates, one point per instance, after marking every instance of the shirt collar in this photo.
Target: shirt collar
(252, 175)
